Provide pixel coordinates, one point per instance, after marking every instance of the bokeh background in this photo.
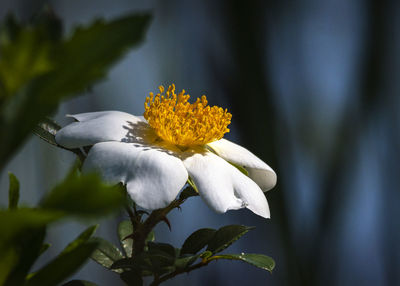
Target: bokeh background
(313, 88)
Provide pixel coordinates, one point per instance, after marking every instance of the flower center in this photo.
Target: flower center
(181, 123)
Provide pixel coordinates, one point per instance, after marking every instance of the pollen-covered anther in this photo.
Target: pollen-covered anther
(182, 123)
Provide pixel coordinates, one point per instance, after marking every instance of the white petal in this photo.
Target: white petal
(153, 176)
(94, 127)
(222, 186)
(258, 170)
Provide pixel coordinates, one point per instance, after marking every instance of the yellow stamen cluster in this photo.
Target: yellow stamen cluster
(181, 123)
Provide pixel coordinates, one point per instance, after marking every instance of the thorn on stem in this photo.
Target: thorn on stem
(165, 219)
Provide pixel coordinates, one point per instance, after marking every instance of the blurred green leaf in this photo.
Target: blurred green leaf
(46, 129)
(91, 50)
(63, 266)
(9, 29)
(106, 253)
(75, 169)
(197, 240)
(259, 260)
(21, 241)
(225, 236)
(37, 70)
(81, 239)
(125, 229)
(8, 260)
(13, 222)
(28, 245)
(44, 247)
(79, 283)
(47, 20)
(26, 52)
(84, 195)
(13, 191)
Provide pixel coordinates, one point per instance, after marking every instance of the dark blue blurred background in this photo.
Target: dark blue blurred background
(314, 91)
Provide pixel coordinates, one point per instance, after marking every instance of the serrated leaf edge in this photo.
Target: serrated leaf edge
(239, 258)
(225, 246)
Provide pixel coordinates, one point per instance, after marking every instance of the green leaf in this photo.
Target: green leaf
(63, 266)
(13, 191)
(48, 71)
(9, 29)
(44, 248)
(225, 236)
(26, 52)
(84, 195)
(81, 239)
(147, 263)
(162, 257)
(79, 283)
(8, 260)
(106, 254)
(27, 246)
(47, 129)
(124, 263)
(140, 263)
(197, 240)
(259, 260)
(132, 277)
(183, 262)
(93, 49)
(13, 222)
(151, 237)
(164, 248)
(125, 229)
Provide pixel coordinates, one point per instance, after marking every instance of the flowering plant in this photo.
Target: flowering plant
(177, 147)
(148, 165)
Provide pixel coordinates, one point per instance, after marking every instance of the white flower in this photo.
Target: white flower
(155, 157)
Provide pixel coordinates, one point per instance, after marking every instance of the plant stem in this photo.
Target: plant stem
(180, 271)
(142, 230)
